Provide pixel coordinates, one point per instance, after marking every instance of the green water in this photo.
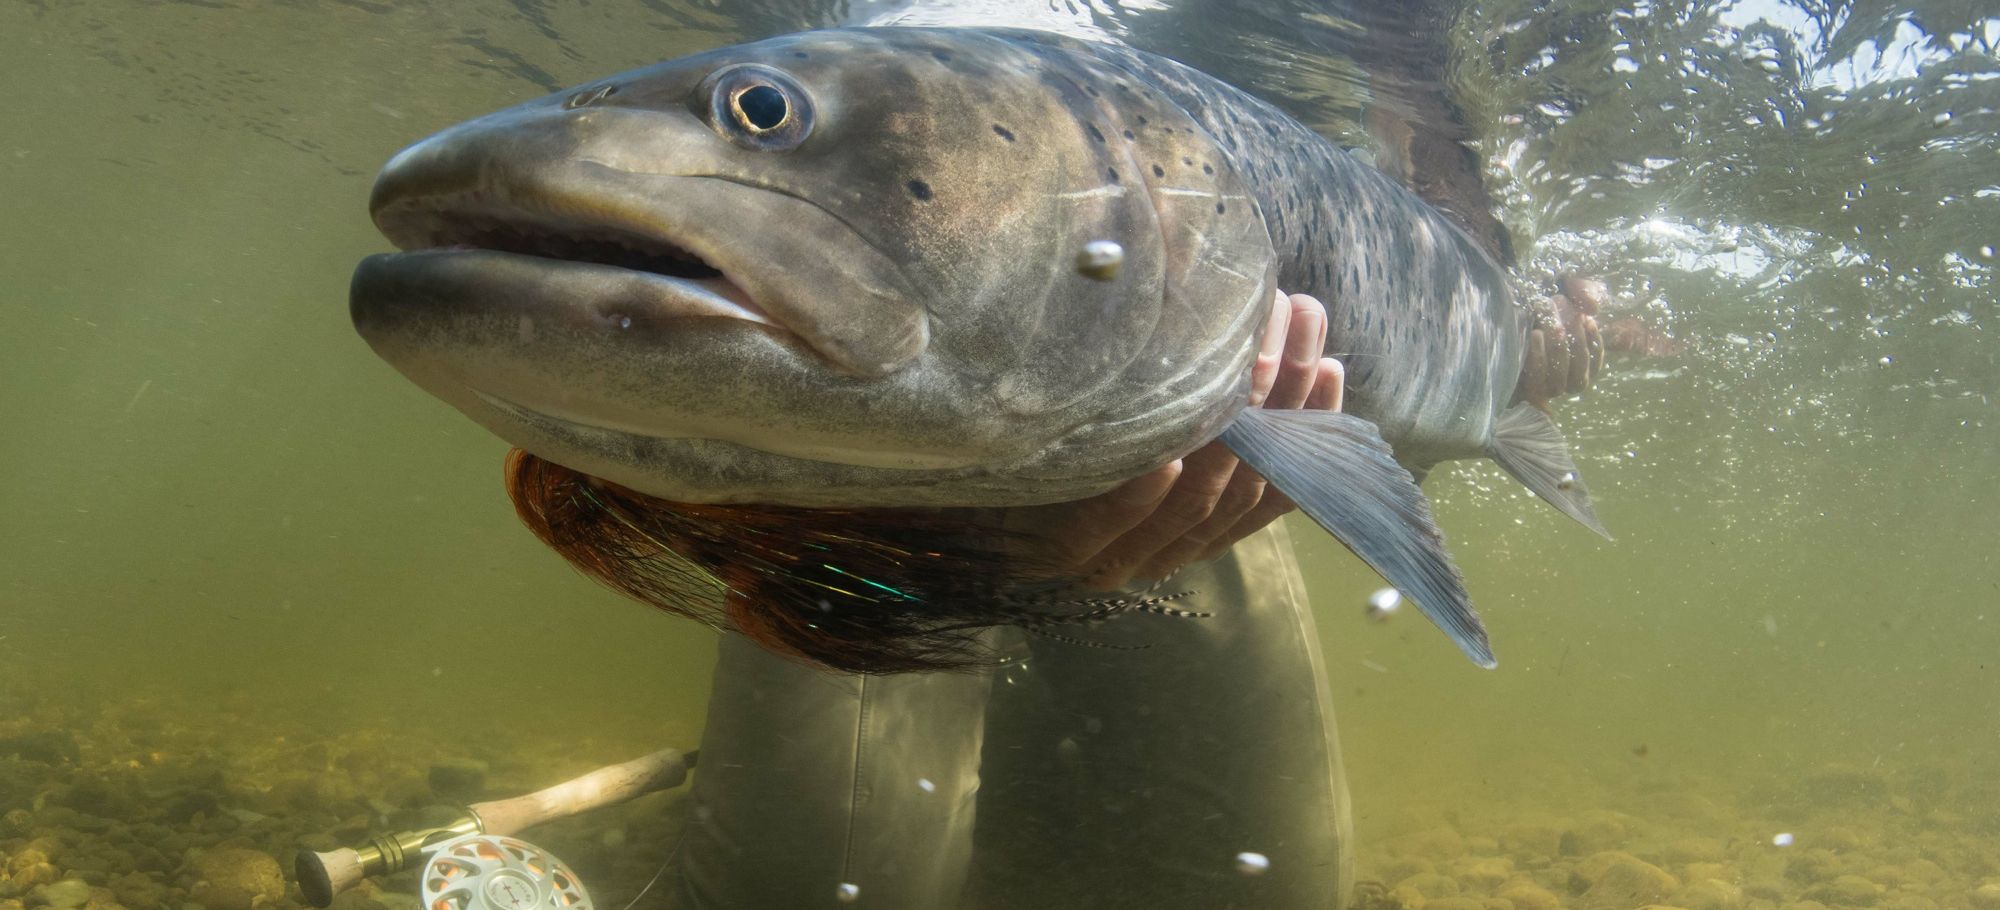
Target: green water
(241, 555)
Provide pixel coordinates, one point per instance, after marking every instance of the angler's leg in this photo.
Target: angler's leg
(811, 780)
(1136, 778)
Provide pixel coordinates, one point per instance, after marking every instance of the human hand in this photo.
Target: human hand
(1565, 352)
(1198, 506)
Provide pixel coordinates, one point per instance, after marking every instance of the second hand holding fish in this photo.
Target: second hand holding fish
(1192, 508)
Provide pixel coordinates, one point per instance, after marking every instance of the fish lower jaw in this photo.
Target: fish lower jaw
(615, 436)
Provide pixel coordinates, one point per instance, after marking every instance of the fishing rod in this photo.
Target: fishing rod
(473, 862)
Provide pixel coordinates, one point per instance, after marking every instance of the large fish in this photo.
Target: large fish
(836, 271)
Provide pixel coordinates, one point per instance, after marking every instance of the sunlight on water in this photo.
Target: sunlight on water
(262, 593)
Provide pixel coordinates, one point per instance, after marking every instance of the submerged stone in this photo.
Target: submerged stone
(1846, 891)
(236, 878)
(1620, 881)
(63, 895)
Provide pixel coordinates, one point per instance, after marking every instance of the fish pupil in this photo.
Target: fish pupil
(763, 107)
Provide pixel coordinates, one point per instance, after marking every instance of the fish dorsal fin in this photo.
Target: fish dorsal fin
(1338, 469)
(1528, 445)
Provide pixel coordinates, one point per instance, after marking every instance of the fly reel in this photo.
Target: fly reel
(496, 872)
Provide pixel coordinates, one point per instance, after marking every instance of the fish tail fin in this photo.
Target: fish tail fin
(1528, 445)
(1338, 469)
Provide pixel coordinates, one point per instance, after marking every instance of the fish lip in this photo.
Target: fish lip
(642, 295)
(463, 223)
(460, 215)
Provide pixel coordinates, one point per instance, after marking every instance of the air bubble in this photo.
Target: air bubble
(1249, 863)
(1383, 604)
(847, 893)
(1099, 260)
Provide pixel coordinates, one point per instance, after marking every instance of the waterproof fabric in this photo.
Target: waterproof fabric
(1134, 775)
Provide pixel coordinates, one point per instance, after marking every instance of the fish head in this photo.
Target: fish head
(830, 269)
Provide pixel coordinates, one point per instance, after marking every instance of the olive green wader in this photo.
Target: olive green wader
(1191, 764)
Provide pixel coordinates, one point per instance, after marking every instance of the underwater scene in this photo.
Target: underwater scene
(266, 597)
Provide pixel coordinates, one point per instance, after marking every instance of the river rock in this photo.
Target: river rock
(1526, 895)
(1770, 889)
(1398, 868)
(1595, 832)
(1846, 891)
(1709, 894)
(1695, 872)
(1923, 871)
(1621, 881)
(236, 878)
(34, 853)
(67, 894)
(16, 823)
(1431, 885)
(1486, 873)
(138, 891)
(33, 876)
(1404, 897)
(1532, 840)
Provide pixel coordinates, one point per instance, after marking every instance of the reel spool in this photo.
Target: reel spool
(496, 872)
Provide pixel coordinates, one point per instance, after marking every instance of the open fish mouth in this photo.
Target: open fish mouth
(662, 277)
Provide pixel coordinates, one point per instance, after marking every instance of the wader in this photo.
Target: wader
(1191, 764)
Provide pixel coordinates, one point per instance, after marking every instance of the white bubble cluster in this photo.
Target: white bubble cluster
(1781, 839)
(847, 893)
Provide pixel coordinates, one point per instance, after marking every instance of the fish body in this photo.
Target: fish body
(837, 269)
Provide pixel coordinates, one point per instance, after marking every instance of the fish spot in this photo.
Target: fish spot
(1187, 162)
(1094, 134)
(1112, 173)
(1128, 135)
(1159, 171)
(1206, 169)
(1142, 120)
(1220, 208)
(1092, 90)
(920, 189)
(941, 56)
(1003, 132)
(802, 55)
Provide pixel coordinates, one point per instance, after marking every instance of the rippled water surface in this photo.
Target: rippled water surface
(255, 584)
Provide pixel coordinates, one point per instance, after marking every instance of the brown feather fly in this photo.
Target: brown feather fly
(859, 590)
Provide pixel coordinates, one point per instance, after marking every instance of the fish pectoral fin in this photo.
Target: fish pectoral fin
(1338, 469)
(1528, 445)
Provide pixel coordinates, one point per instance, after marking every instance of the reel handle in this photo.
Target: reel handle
(323, 875)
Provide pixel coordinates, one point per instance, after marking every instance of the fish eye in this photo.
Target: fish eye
(762, 106)
(757, 107)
